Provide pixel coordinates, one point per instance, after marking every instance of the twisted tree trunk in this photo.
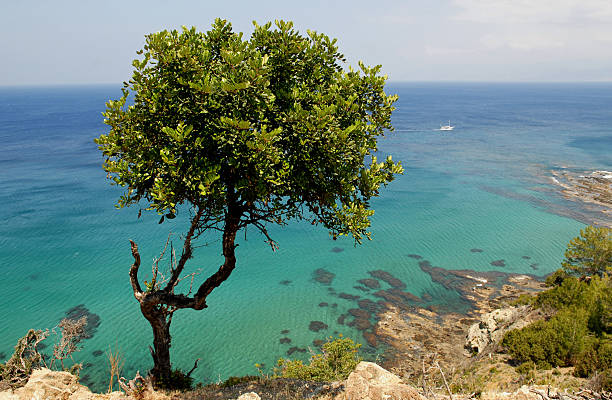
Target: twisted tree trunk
(158, 304)
(162, 368)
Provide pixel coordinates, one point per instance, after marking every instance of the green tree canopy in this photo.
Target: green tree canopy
(590, 253)
(246, 133)
(272, 125)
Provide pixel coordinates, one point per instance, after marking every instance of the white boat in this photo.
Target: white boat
(448, 127)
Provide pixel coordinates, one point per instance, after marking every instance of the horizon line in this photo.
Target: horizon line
(390, 81)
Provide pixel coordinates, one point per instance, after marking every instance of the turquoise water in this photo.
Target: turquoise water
(483, 185)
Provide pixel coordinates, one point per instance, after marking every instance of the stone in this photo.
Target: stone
(249, 396)
(492, 327)
(57, 385)
(371, 382)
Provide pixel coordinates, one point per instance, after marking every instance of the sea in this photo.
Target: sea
(469, 197)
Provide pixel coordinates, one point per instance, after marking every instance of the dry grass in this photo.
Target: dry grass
(115, 365)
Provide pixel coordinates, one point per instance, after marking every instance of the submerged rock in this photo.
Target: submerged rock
(370, 283)
(337, 250)
(347, 296)
(284, 340)
(387, 277)
(476, 250)
(498, 263)
(316, 326)
(323, 276)
(296, 349)
(369, 305)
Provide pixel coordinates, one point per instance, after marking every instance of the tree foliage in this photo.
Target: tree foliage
(272, 125)
(590, 253)
(244, 133)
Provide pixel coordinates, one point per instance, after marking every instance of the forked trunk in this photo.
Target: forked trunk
(155, 305)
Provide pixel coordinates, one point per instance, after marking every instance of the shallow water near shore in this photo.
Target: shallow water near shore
(476, 198)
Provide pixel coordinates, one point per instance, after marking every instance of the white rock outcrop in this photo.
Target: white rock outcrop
(493, 325)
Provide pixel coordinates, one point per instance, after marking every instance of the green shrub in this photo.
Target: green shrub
(178, 381)
(235, 380)
(556, 278)
(523, 300)
(526, 368)
(338, 360)
(580, 309)
(556, 342)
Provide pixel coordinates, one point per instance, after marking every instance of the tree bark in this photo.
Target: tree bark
(162, 368)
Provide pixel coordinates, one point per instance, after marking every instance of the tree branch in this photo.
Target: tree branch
(187, 252)
(134, 271)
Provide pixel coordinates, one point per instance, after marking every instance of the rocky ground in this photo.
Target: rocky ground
(368, 382)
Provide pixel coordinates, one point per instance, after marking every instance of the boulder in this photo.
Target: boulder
(371, 382)
(492, 327)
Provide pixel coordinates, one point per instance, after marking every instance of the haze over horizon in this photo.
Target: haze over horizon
(71, 42)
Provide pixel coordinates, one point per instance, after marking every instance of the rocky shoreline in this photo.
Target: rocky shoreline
(591, 187)
(403, 329)
(420, 334)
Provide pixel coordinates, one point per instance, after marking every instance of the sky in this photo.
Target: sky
(91, 42)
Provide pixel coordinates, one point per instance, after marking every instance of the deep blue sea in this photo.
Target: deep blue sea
(483, 185)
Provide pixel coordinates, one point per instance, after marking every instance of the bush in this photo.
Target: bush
(602, 381)
(556, 342)
(26, 357)
(178, 381)
(556, 278)
(339, 359)
(236, 380)
(526, 368)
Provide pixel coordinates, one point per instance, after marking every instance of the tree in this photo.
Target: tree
(243, 133)
(590, 253)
